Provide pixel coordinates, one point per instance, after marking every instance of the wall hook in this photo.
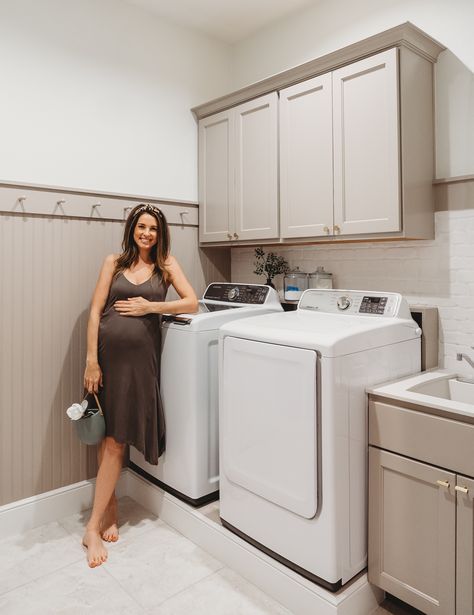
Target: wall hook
(21, 200)
(59, 205)
(95, 209)
(126, 210)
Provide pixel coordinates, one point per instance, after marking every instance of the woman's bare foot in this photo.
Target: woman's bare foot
(96, 552)
(110, 531)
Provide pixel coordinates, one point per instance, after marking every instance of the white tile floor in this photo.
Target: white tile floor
(151, 569)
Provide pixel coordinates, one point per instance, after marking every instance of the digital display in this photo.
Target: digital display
(373, 305)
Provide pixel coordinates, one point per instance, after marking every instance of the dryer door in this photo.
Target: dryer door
(269, 422)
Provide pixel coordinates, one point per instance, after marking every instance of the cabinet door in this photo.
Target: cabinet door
(412, 525)
(464, 546)
(256, 169)
(216, 177)
(306, 173)
(366, 146)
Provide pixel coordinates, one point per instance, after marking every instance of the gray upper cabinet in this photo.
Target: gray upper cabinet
(366, 146)
(306, 169)
(238, 172)
(346, 140)
(351, 164)
(216, 177)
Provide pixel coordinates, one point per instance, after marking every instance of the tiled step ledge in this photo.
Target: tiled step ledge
(297, 594)
(294, 592)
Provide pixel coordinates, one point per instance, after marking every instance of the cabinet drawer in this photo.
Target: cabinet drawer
(433, 439)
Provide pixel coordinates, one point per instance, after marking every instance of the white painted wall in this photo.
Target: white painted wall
(332, 24)
(96, 94)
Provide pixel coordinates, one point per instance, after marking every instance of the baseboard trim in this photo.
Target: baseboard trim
(287, 587)
(24, 515)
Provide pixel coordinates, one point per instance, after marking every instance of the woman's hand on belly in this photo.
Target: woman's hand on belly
(135, 306)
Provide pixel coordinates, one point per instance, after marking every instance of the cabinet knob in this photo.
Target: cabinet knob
(326, 230)
(461, 489)
(236, 236)
(443, 483)
(229, 236)
(337, 229)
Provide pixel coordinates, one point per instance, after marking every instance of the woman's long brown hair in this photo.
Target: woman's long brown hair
(160, 251)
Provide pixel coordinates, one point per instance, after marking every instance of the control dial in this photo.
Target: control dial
(343, 303)
(233, 293)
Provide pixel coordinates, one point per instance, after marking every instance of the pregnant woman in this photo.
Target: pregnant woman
(123, 357)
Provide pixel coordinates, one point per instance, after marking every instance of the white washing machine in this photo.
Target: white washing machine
(189, 468)
(293, 424)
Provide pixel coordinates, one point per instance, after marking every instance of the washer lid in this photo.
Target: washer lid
(330, 334)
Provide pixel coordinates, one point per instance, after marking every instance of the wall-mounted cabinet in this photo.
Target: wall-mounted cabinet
(340, 151)
(349, 165)
(306, 165)
(356, 150)
(238, 172)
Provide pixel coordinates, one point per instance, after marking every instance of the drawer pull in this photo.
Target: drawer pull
(443, 483)
(461, 489)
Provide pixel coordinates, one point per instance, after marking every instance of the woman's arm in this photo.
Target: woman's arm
(188, 303)
(93, 374)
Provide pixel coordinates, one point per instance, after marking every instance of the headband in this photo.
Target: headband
(150, 208)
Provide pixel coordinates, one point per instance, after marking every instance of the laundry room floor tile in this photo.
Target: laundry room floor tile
(35, 553)
(73, 590)
(158, 564)
(151, 569)
(222, 593)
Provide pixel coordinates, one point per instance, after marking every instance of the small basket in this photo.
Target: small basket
(91, 429)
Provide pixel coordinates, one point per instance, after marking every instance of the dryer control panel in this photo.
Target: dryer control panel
(351, 302)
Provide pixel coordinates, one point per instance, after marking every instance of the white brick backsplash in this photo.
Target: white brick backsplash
(438, 272)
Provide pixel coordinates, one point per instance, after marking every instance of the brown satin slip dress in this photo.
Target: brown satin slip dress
(129, 357)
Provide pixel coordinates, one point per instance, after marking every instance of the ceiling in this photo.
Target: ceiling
(227, 20)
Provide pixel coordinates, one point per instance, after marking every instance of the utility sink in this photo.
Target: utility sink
(439, 389)
(447, 388)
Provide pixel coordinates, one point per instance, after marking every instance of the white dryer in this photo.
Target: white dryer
(293, 424)
(189, 468)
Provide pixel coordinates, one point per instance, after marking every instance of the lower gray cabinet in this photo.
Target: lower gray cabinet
(464, 545)
(421, 533)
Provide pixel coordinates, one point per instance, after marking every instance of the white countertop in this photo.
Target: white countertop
(399, 390)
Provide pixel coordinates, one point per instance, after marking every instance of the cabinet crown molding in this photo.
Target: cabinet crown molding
(406, 35)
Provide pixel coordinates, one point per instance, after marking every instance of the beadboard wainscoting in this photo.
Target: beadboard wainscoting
(438, 272)
(49, 263)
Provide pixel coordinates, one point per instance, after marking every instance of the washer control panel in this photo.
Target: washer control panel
(254, 294)
(352, 302)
